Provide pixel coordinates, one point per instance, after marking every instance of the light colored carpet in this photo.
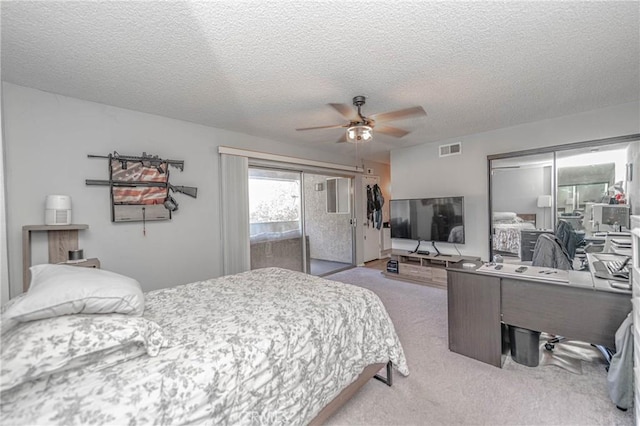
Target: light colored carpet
(445, 388)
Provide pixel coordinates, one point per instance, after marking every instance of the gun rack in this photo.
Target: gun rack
(139, 187)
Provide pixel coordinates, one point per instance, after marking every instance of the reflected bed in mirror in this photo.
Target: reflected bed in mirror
(506, 230)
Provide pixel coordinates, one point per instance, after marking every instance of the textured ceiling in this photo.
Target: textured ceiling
(266, 68)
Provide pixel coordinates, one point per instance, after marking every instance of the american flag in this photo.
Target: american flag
(139, 172)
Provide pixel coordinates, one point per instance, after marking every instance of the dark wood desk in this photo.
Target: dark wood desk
(480, 303)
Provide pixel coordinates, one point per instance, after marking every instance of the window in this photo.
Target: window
(274, 201)
(338, 195)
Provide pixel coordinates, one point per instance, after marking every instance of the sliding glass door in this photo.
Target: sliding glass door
(300, 221)
(328, 213)
(275, 220)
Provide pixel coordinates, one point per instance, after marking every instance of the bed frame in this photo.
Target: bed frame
(528, 217)
(347, 393)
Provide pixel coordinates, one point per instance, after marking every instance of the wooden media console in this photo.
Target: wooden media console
(427, 269)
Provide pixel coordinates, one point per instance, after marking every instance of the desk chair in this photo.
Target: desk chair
(575, 219)
(570, 238)
(550, 252)
(565, 245)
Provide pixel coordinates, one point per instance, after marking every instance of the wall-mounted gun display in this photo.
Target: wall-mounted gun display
(191, 191)
(140, 187)
(146, 160)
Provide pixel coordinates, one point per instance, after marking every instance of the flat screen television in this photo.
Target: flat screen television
(428, 219)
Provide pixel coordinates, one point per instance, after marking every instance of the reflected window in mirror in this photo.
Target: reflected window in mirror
(588, 177)
(338, 195)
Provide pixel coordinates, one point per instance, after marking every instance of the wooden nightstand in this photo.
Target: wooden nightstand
(62, 238)
(87, 263)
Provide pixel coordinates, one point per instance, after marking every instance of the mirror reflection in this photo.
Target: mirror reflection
(587, 187)
(338, 195)
(522, 199)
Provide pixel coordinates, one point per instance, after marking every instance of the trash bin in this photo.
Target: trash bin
(525, 346)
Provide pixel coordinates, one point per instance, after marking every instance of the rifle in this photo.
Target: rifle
(147, 160)
(191, 191)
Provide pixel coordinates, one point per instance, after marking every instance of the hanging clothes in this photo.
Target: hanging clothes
(378, 202)
(370, 204)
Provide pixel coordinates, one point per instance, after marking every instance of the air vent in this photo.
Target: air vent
(451, 149)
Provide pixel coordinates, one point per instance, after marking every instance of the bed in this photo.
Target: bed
(269, 346)
(506, 230)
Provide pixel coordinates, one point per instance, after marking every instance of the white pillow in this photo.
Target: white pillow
(38, 349)
(62, 290)
(504, 215)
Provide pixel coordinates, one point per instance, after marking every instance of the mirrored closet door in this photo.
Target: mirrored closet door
(521, 202)
(530, 191)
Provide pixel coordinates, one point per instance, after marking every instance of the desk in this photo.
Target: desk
(573, 305)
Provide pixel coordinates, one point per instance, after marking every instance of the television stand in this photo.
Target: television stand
(425, 269)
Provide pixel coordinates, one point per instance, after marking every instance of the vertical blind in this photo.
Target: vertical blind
(235, 213)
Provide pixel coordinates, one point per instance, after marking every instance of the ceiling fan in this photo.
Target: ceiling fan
(360, 128)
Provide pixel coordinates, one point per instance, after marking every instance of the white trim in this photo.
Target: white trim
(286, 159)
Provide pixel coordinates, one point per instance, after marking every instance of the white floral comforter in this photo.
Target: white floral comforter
(506, 236)
(269, 346)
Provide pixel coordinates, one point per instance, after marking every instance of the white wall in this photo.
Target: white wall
(47, 139)
(418, 171)
(329, 233)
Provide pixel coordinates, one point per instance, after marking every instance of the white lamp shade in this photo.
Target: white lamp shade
(544, 201)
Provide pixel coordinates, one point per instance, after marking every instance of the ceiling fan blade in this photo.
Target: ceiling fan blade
(399, 115)
(343, 138)
(336, 126)
(391, 131)
(346, 111)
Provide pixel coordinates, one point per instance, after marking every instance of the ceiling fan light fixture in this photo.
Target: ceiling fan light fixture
(359, 133)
